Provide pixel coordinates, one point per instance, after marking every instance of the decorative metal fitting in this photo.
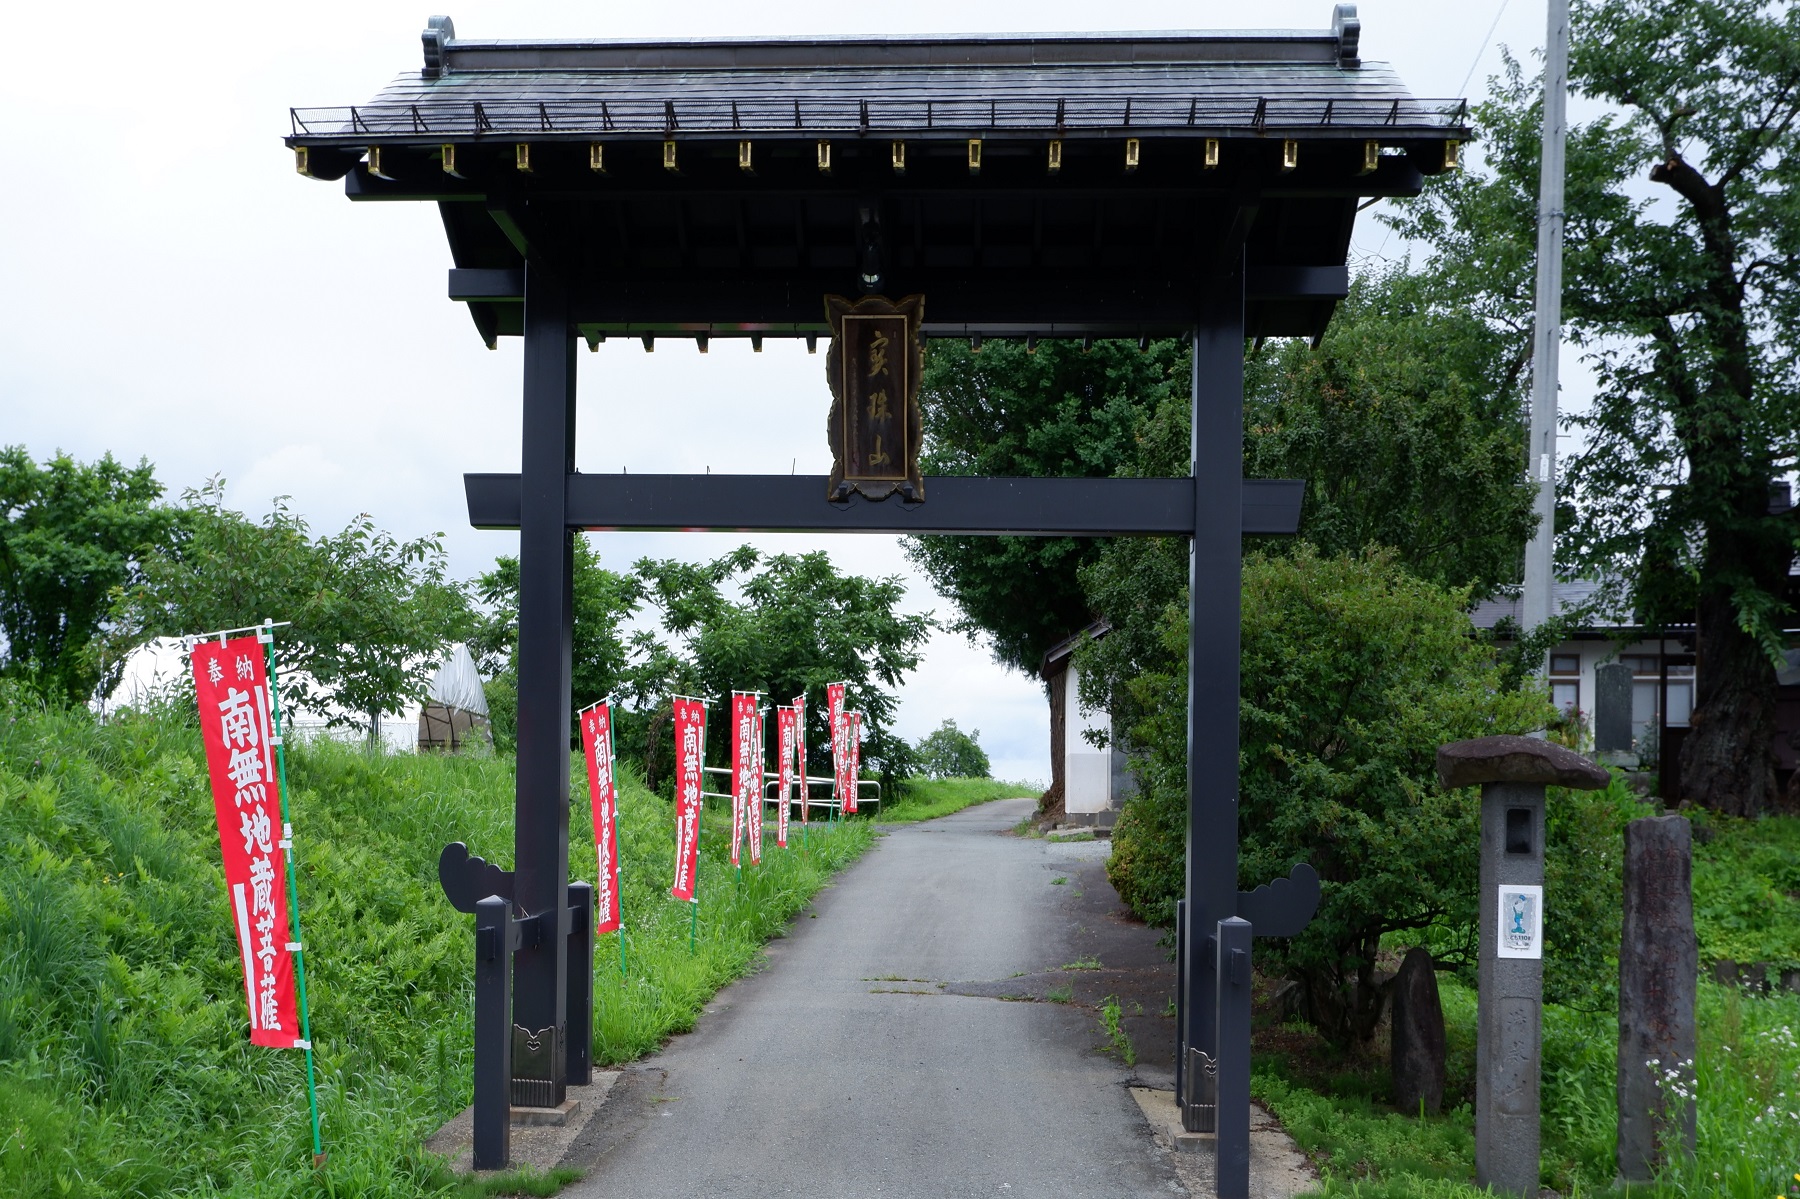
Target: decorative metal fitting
(375, 163)
(522, 157)
(1131, 153)
(1371, 157)
(974, 156)
(597, 158)
(744, 161)
(1212, 153)
(1290, 154)
(1055, 161)
(669, 155)
(899, 150)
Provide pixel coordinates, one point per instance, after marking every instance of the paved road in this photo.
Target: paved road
(829, 1075)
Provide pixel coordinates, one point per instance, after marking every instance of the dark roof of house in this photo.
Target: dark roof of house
(1057, 657)
(1245, 83)
(1571, 596)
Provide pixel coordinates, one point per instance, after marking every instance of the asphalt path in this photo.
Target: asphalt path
(844, 1069)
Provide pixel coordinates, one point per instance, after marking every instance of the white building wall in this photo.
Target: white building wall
(1592, 654)
(1087, 768)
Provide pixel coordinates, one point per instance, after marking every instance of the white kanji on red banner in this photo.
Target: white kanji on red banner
(840, 756)
(597, 741)
(231, 687)
(852, 757)
(800, 755)
(784, 771)
(690, 748)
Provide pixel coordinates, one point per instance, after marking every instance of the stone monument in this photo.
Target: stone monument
(1659, 965)
(1512, 773)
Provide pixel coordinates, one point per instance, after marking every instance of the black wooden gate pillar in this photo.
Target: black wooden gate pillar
(541, 804)
(1214, 585)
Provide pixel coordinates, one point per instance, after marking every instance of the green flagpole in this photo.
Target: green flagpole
(287, 830)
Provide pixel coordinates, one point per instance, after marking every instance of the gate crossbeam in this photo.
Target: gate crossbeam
(1045, 507)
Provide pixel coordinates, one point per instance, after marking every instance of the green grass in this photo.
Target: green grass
(926, 799)
(1748, 1071)
(124, 1063)
(1117, 1039)
(1747, 889)
(1747, 1067)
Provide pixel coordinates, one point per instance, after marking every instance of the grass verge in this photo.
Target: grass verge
(122, 1021)
(1748, 1098)
(926, 798)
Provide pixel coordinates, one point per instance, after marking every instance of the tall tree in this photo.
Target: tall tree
(1684, 295)
(1014, 410)
(797, 625)
(70, 533)
(1406, 424)
(604, 600)
(371, 615)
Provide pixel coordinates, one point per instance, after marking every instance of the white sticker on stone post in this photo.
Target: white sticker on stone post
(1521, 921)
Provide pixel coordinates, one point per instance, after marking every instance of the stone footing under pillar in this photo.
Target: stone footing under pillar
(534, 1143)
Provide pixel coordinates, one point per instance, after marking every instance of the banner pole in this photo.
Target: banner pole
(267, 635)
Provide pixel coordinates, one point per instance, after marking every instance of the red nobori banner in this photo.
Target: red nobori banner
(744, 779)
(800, 753)
(784, 771)
(231, 685)
(690, 750)
(834, 715)
(852, 755)
(754, 800)
(597, 740)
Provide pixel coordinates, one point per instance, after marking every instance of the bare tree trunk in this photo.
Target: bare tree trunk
(1058, 689)
(1727, 759)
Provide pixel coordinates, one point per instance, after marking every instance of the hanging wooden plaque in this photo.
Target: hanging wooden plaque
(874, 366)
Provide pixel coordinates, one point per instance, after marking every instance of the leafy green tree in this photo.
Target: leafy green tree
(371, 615)
(949, 753)
(604, 601)
(1011, 410)
(1683, 296)
(70, 533)
(1054, 410)
(1354, 673)
(1408, 426)
(1405, 422)
(797, 625)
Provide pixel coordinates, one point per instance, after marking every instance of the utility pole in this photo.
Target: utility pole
(1546, 334)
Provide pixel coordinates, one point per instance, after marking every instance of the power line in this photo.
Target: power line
(1485, 43)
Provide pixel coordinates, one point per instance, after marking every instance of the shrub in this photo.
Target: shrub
(1353, 674)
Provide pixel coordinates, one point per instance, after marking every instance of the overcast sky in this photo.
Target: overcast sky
(175, 291)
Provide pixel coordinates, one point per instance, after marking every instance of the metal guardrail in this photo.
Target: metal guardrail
(864, 787)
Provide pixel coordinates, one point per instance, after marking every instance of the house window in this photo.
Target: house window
(1565, 683)
(1681, 695)
(1647, 690)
